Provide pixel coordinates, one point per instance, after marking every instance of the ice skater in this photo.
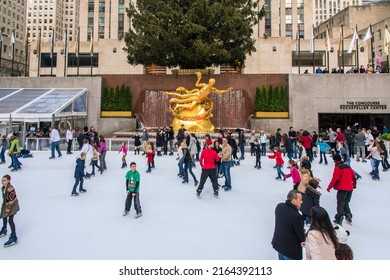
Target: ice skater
(124, 151)
(79, 174)
(9, 208)
(208, 157)
(132, 190)
(279, 163)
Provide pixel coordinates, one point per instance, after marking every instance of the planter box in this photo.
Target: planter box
(272, 115)
(115, 114)
(192, 71)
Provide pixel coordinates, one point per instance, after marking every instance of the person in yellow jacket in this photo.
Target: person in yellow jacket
(13, 152)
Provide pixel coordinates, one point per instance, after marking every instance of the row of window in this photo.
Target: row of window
(85, 60)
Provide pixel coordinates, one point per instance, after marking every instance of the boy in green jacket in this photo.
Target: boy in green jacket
(132, 189)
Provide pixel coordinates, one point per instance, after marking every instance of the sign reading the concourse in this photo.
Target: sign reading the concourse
(363, 105)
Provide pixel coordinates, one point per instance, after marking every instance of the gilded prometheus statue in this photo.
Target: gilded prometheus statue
(192, 107)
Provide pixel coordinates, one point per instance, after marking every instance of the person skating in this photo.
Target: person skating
(79, 174)
(124, 151)
(137, 143)
(132, 190)
(257, 152)
(207, 160)
(279, 163)
(9, 208)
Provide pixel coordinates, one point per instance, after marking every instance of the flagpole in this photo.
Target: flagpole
(91, 50)
(1, 44)
(65, 41)
(78, 51)
(328, 48)
(388, 66)
(39, 51)
(314, 50)
(342, 47)
(357, 50)
(372, 50)
(27, 38)
(299, 50)
(12, 54)
(51, 53)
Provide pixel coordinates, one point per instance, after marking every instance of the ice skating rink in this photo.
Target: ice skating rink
(52, 225)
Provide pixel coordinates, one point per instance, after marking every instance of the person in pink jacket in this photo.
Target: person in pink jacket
(124, 151)
(294, 173)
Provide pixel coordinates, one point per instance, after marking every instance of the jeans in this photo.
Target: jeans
(226, 172)
(284, 258)
(295, 149)
(15, 161)
(79, 180)
(102, 159)
(180, 164)
(2, 158)
(263, 149)
(323, 154)
(137, 204)
(375, 168)
(280, 172)
(242, 150)
(188, 167)
(55, 146)
(69, 148)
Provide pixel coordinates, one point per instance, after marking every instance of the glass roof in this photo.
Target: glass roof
(51, 102)
(42, 103)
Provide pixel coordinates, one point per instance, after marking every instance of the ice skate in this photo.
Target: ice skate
(3, 232)
(13, 240)
(348, 218)
(125, 213)
(216, 195)
(139, 215)
(74, 194)
(198, 195)
(83, 190)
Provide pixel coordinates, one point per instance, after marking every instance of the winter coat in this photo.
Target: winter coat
(306, 141)
(360, 140)
(294, 173)
(4, 144)
(192, 147)
(150, 156)
(340, 137)
(289, 232)
(310, 198)
(14, 147)
(323, 146)
(159, 140)
(343, 179)
(137, 141)
(288, 145)
(226, 153)
(10, 204)
(208, 157)
(317, 248)
(278, 157)
(102, 147)
(79, 169)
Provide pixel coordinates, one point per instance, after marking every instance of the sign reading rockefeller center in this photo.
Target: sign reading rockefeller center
(363, 105)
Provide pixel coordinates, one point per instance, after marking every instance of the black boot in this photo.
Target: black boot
(123, 165)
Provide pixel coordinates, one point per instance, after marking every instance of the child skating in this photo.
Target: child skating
(79, 174)
(124, 151)
(279, 163)
(294, 174)
(132, 190)
(257, 152)
(9, 208)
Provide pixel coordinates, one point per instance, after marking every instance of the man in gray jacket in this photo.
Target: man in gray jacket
(360, 140)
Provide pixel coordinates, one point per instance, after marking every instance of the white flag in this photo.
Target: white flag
(311, 42)
(386, 44)
(327, 40)
(367, 37)
(352, 44)
(11, 45)
(51, 45)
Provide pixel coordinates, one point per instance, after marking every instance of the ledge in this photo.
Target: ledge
(272, 115)
(115, 114)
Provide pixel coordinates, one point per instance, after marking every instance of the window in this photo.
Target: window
(101, 21)
(102, 6)
(306, 58)
(91, 6)
(46, 60)
(84, 58)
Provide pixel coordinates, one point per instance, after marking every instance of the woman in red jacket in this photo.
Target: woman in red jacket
(307, 143)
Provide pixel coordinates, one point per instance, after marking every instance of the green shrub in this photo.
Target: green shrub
(118, 99)
(274, 99)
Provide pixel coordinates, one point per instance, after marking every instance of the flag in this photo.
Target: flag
(367, 37)
(352, 44)
(386, 43)
(312, 41)
(76, 45)
(91, 44)
(51, 45)
(11, 45)
(65, 39)
(341, 42)
(327, 40)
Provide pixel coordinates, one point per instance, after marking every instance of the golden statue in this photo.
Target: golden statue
(192, 107)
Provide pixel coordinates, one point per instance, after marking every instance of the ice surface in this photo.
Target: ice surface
(175, 224)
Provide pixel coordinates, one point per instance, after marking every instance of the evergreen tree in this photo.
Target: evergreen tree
(191, 34)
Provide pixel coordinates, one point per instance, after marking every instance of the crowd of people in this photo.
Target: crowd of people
(299, 222)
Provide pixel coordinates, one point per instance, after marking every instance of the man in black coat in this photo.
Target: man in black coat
(289, 234)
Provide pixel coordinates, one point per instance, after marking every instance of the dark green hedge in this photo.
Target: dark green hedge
(118, 99)
(274, 99)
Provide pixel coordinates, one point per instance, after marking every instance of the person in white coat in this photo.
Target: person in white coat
(87, 149)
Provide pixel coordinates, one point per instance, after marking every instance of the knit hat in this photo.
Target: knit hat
(337, 157)
(342, 234)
